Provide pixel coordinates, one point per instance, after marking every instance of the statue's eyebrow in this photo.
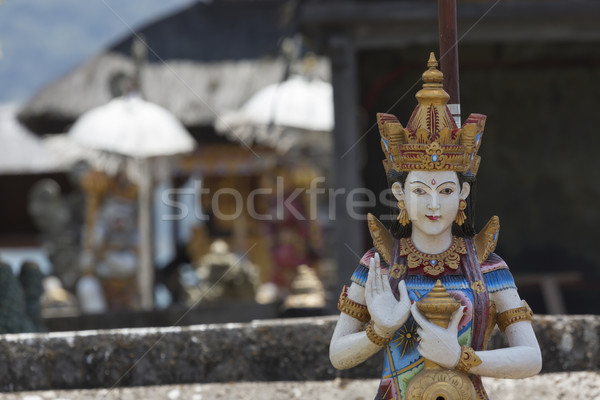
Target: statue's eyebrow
(422, 183)
(454, 183)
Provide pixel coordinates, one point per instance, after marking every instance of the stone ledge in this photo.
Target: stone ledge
(556, 386)
(268, 350)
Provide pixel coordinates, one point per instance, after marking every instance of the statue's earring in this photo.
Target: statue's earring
(403, 216)
(460, 216)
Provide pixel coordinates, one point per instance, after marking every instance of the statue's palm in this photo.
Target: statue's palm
(388, 313)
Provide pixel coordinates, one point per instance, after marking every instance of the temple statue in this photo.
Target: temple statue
(431, 290)
(20, 309)
(223, 275)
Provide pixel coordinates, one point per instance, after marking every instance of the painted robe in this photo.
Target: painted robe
(402, 360)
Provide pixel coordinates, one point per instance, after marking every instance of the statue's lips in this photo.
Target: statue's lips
(433, 217)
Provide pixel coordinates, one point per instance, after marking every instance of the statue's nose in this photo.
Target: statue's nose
(434, 203)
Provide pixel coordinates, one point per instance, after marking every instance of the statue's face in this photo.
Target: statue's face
(431, 199)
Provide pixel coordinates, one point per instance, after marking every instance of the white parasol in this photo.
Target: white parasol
(132, 127)
(288, 114)
(136, 131)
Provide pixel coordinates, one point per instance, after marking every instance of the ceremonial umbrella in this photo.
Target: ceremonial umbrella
(294, 113)
(137, 133)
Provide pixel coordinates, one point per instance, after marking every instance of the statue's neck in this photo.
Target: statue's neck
(431, 244)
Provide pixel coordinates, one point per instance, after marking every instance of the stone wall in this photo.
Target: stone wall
(273, 350)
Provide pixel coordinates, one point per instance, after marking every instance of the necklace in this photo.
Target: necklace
(433, 264)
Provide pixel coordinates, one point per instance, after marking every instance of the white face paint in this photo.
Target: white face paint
(431, 199)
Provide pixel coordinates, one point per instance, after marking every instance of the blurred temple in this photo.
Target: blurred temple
(197, 81)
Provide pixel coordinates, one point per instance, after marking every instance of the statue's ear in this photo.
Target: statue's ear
(397, 191)
(465, 191)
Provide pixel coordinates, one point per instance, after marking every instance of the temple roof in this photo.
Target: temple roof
(202, 60)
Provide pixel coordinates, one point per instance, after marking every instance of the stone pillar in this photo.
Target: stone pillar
(347, 156)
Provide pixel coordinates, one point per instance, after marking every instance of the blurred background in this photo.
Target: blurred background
(178, 162)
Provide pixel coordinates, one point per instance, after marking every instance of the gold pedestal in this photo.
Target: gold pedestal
(436, 382)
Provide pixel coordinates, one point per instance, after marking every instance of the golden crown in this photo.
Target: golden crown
(431, 140)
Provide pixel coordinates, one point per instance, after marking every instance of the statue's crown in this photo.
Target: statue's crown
(431, 140)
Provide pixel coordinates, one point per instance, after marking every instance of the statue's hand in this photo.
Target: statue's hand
(436, 343)
(388, 313)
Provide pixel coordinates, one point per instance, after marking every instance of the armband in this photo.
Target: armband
(468, 359)
(513, 315)
(352, 308)
(374, 337)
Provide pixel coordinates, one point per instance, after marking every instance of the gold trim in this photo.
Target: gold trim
(478, 287)
(374, 337)
(486, 239)
(468, 359)
(431, 140)
(397, 270)
(403, 214)
(460, 215)
(433, 263)
(490, 325)
(513, 315)
(352, 308)
(382, 238)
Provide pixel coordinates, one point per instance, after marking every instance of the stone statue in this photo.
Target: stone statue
(223, 275)
(431, 290)
(31, 280)
(307, 297)
(20, 309)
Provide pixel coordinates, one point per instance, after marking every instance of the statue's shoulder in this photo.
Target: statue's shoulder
(362, 271)
(486, 239)
(485, 244)
(382, 240)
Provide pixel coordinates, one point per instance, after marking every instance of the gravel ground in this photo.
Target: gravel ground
(573, 385)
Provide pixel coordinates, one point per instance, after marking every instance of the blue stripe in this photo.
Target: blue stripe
(450, 282)
(498, 280)
(360, 275)
(495, 281)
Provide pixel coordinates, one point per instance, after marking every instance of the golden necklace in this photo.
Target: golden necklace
(433, 264)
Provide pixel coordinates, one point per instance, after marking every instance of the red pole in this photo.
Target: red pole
(449, 54)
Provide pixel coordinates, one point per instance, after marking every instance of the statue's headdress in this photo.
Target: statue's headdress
(431, 140)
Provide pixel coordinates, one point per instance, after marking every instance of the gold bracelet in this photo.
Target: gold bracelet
(352, 308)
(374, 337)
(468, 359)
(513, 315)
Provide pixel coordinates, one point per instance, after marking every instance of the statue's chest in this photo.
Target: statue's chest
(409, 259)
(457, 285)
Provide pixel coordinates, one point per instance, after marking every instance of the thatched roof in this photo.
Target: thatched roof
(202, 61)
(20, 150)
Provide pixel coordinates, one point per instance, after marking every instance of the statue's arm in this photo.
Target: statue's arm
(520, 360)
(523, 357)
(350, 345)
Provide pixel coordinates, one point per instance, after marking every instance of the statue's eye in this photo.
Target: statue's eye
(419, 191)
(446, 191)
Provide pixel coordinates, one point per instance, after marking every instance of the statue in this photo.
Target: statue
(307, 296)
(223, 276)
(31, 280)
(20, 309)
(431, 290)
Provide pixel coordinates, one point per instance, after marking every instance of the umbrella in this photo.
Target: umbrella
(136, 131)
(296, 112)
(132, 127)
